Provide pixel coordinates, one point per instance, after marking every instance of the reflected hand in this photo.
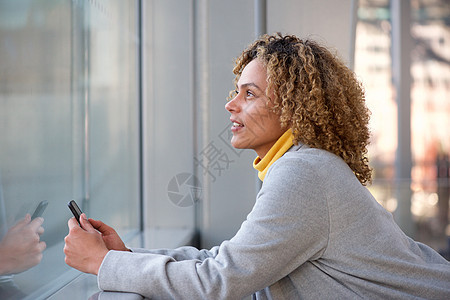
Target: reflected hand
(84, 246)
(109, 235)
(21, 248)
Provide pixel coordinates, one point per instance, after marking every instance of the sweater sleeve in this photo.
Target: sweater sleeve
(181, 253)
(287, 227)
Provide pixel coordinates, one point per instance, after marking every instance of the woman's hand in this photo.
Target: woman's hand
(84, 246)
(109, 235)
(21, 248)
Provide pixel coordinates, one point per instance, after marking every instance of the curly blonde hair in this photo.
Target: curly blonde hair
(315, 95)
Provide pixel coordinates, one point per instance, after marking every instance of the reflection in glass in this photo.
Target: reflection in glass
(68, 126)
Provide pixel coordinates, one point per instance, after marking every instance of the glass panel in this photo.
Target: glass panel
(430, 112)
(36, 133)
(69, 127)
(430, 119)
(114, 115)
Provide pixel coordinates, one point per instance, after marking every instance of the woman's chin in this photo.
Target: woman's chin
(238, 145)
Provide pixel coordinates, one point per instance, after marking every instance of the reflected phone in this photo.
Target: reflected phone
(75, 210)
(39, 209)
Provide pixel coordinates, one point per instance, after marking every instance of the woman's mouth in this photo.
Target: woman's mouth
(236, 126)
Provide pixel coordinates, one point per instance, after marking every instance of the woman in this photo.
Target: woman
(315, 231)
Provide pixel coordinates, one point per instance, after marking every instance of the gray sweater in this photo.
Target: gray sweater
(314, 233)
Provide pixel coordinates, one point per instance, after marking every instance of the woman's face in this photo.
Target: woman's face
(255, 126)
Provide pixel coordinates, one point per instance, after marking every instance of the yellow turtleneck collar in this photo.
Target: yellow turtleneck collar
(278, 149)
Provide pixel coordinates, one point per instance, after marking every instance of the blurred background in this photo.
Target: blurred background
(119, 105)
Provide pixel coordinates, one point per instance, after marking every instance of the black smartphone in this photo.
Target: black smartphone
(39, 209)
(75, 210)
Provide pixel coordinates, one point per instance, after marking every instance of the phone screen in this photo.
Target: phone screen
(76, 211)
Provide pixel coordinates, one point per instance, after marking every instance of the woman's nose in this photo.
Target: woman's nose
(231, 105)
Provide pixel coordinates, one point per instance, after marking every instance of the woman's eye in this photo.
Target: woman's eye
(250, 94)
